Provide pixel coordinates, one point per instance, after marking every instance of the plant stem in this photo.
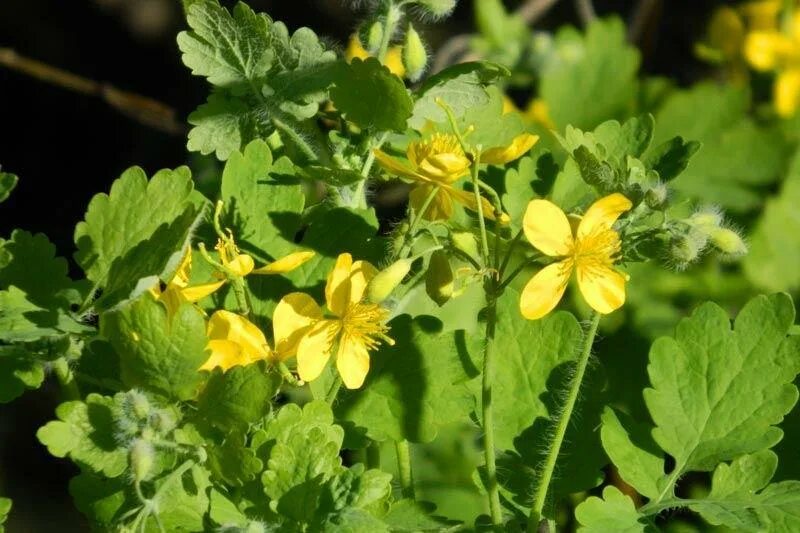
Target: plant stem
(330, 396)
(561, 429)
(509, 252)
(240, 291)
(391, 19)
(66, 379)
(488, 416)
(404, 468)
(368, 162)
(481, 217)
(415, 222)
(295, 137)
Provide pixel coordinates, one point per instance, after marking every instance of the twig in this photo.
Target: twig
(142, 109)
(532, 10)
(585, 11)
(642, 14)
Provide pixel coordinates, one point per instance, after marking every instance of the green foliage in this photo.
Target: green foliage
(158, 352)
(5, 508)
(361, 87)
(7, 184)
(263, 78)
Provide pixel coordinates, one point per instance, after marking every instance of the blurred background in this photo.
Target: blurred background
(67, 145)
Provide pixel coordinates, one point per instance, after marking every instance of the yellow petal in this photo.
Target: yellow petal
(361, 274)
(172, 298)
(196, 293)
(444, 168)
(441, 208)
(392, 165)
(181, 277)
(285, 264)
(394, 61)
(224, 325)
(726, 31)
(502, 155)
(224, 354)
(538, 112)
(337, 289)
(315, 349)
(355, 49)
(787, 92)
(241, 265)
(602, 287)
(293, 317)
(602, 214)
(543, 292)
(765, 49)
(467, 199)
(547, 228)
(352, 362)
(761, 14)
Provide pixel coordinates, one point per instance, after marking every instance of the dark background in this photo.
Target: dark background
(66, 147)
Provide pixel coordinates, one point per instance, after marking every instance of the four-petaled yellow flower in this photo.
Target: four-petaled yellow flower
(591, 252)
(438, 162)
(356, 325)
(234, 340)
(774, 50)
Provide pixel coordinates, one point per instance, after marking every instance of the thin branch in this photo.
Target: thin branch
(142, 109)
(532, 10)
(642, 14)
(585, 11)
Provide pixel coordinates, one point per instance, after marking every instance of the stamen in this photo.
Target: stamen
(366, 322)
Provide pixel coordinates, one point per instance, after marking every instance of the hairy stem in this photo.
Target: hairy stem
(404, 468)
(561, 429)
(492, 487)
(391, 19)
(66, 379)
(406, 248)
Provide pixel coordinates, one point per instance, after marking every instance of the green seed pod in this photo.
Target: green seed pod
(728, 241)
(465, 242)
(438, 8)
(387, 280)
(415, 57)
(141, 458)
(439, 280)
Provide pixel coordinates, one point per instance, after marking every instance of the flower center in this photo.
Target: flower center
(598, 249)
(438, 143)
(366, 323)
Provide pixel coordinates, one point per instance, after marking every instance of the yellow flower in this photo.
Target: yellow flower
(761, 14)
(393, 61)
(538, 112)
(773, 50)
(357, 326)
(234, 340)
(591, 251)
(438, 162)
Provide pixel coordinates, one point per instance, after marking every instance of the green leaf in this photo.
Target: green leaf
(5, 508)
(158, 353)
(671, 157)
(353, 489)
(736, 157)
(23, 321)
(228, 49)
(182, 501)
(232, 462)
(633, 451)
(18, 372)
(241, 396)
(134, 231)
(718, 392)
(462, 87)
(492, 127)
(7, 184)
(338, 177)
(614, 512)
(742, 500)
(263, 76)
(263, 201)
(416, 386)
(775, 241)
(410, 515)
(370, 96)
(86, 432)
(593, 79)
(223, 512)
(99, 498)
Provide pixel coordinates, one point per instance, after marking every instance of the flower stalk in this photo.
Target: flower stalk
(554, 450)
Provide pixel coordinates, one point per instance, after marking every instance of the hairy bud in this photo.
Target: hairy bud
(706, 219)
(728, 241)
(439, 280)
(141, 458)
(686, 249)
(387, 280)
(656, 197)
(371, 36)
(438, 8)
(415, 57)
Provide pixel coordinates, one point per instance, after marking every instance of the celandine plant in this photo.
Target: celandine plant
(267, 356)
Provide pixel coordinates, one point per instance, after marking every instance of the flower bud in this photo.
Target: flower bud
(372, 37)
(141, 458)
(706, 220)
(656, 197)
(387, 280)
(728, 241)
(686, 249)
(164, 421)
(438, 8)
(465, 242)
(439, 280)
(139, 404)
(415, 57)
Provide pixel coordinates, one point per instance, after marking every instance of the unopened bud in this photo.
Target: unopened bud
(728, 241)
(415, 57)
(164, 421)
(686, 249)
(656, 197)
(140, 405)
(387, 280)
(438, 8)
(706, 220)
(141, 459)
(439, 280)
(373, 37)
(465, 242)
